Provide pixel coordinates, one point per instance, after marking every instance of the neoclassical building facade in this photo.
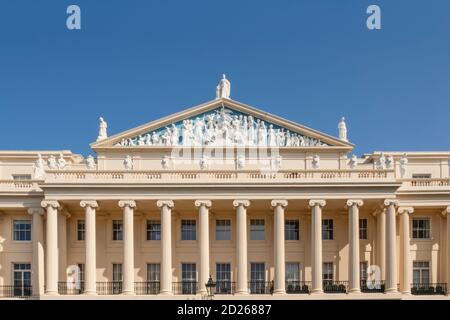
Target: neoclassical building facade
(261, 205)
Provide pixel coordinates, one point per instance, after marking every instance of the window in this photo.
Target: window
(257, 229)
(153, 272)
(363, 229)
(421, 272)
(22, 230)
(117, 230)
(292, 273)
(188, 278)
(327, 229)
(153, 230)
(21, 177)
(421, 176)
(223, 229)
(421, 228)
(80, 230)
(117, 278)
(223, 278)
(257, 277)
(291, 230)
(363, 271)
(188, 228)
(327, 273)
(22, 279)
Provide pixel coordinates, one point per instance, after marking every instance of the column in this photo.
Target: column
(381, 241)
(353, 242)
(279, 248)
(404, 213)
(38, 251)
(203, 213)
(241, 245)
(62, 245)
(391, 245)
(90, 267)
(51, 255)
(166, 246)
(316, 244)
(128, 246)
(446, 212)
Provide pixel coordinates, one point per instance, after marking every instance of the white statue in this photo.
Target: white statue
(102, 134)
(38, 169)
(148, 139)
(353, 162)
(174, 135)
(240, 162)
(204, 162)
(276, 162)
(141, 140)
(381, 164)
(316, 161)
(128, 163)
(198, 132)
(251, 131)
(342, 130)
(165, 161)
(61, 162)
(272, 139)
(223, 89)
(90, 162)
(155, 138)
(389, 162)
(403, 165)
(52, 165)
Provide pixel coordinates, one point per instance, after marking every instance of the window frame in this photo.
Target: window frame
(81, 231)
(253, 232)
(329, 231)
(363, 230)
(24, 231)
(288, 231)
(226, 229)
(118, 231)
(186, 234)
(416, 231)
(149, 232)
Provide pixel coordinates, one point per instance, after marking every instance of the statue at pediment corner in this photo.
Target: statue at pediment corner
(102, 134)
(204, 162)
(316, 161)
(165, 162)
(128, 163)
(38, 169)
(240, 162)
(381, 163)
(353, 163)
(403, 165)
(61, 162)
(389, 162)
(90, 162)
(51, 162)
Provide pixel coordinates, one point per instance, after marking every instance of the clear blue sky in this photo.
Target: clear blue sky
(308, 61)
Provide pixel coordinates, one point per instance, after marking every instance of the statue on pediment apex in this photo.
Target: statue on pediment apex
(223, 89)
(102, 134)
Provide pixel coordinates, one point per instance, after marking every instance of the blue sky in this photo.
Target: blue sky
(309, 61)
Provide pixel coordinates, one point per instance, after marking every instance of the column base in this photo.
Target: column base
(165, 293)
(90, 293)
(391, 291)
(279, 292)
(354, 291)
(406, 293)
(51, 293)
(128, 293)
(317, 291)
(242, 293)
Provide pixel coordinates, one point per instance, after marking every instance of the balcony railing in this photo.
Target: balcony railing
(298, 287)
(225, 287)
(69, 288)
(185, 287)
(260, 287)
(335, 286)
(109, 288)
(16, 291)
(19, 185)
(372, 286)
(428, 288)
(148, 287)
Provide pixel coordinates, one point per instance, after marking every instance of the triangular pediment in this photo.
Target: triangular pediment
(222, 122)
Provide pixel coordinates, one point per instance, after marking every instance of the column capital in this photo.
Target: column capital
(407, 210)
(37, 210)
(276, 203)
(127, 203)
(389, 202)
(378, 212)
(89, 203)
(317, 202)
(354, 202)
(237, 203)
(50, 203)
(165, 203)
(206, 203)
(446, 212)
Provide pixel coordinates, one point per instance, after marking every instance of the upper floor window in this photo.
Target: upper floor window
(22, 230)
(153, 230)
(188, 230)
(421, 176)
(80, 230)
(327, 229)
(223, 229)
(421, 228)
(291, 230)
(257, 229)
(117, 230)
(21, 177)
(363, 229)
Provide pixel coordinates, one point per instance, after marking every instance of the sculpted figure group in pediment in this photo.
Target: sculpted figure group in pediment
(223, 127)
